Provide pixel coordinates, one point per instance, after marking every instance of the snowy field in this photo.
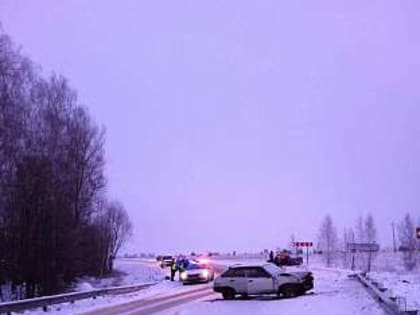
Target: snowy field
(388, 270)
(127, 272)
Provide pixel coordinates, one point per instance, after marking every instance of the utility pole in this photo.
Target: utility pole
(393, 237)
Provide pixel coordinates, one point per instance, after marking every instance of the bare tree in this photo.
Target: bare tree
(370, 236)
(360, 230)
(292, 245)
(360, 259)
(16, 75)
(327, 240)
(116, 228)
(407, 237)
(51, 183)
(348, 237)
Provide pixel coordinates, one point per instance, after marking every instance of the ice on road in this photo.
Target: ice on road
(334, 293)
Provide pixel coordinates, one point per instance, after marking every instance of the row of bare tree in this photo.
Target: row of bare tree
(55, 221)
(364, 232)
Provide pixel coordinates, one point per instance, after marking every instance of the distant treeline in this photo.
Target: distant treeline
(364, 232)
(55, 221)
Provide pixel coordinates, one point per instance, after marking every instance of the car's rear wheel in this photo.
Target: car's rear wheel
(228, 294)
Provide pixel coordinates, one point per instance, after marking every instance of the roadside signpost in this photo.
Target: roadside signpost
(304, 244)
(362, 248)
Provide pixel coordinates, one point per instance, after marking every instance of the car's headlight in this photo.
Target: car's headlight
(205, 273)
(183, 275)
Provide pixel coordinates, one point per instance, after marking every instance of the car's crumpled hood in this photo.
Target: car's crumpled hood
(300, 274)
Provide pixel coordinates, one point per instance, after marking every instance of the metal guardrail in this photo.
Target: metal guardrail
(44, 302)
(391, 304)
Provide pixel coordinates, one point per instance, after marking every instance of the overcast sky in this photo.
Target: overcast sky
(233, 124)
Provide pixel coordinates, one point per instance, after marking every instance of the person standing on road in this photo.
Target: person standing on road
(276, 260)
(271, 256)
(173, 269)
(181, 266)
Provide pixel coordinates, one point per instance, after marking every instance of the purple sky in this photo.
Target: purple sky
(232, 124)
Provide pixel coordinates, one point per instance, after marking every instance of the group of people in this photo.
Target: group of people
(179, 264)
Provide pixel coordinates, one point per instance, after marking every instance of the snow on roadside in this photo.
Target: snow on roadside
(127, 272)
(86, 305)
(130, 272)
(401, 284)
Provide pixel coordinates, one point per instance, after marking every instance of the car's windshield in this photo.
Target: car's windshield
(273, 269)
(195, 267)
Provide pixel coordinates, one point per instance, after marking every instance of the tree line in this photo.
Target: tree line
(364, 232)
(56, 222)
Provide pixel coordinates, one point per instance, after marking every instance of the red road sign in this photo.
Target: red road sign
(418, 232)
(303, 244)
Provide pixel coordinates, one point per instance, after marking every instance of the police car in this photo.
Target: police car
(196, 272)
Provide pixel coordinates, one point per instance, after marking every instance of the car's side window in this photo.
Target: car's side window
(234, 273)
(256, 273)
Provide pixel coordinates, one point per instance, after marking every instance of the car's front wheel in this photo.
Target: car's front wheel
(228, 294)
(289, 291)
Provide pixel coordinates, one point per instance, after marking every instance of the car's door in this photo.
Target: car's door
(259, 281)
(235, 278)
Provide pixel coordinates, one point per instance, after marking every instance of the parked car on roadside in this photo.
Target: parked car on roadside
(166, 261)
(285, 258)
(260, 279)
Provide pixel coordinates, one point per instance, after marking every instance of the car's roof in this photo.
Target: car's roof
(242, 265)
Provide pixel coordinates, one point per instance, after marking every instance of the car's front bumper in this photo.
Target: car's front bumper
(195, 279)
(308, 283)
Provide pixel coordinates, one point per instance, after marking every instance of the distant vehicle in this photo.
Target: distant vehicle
(197, 272)
(285, 258)
(260, 279)
(166, 261)
(293, 261)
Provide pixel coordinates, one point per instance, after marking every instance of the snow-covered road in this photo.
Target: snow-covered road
(334, 293)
